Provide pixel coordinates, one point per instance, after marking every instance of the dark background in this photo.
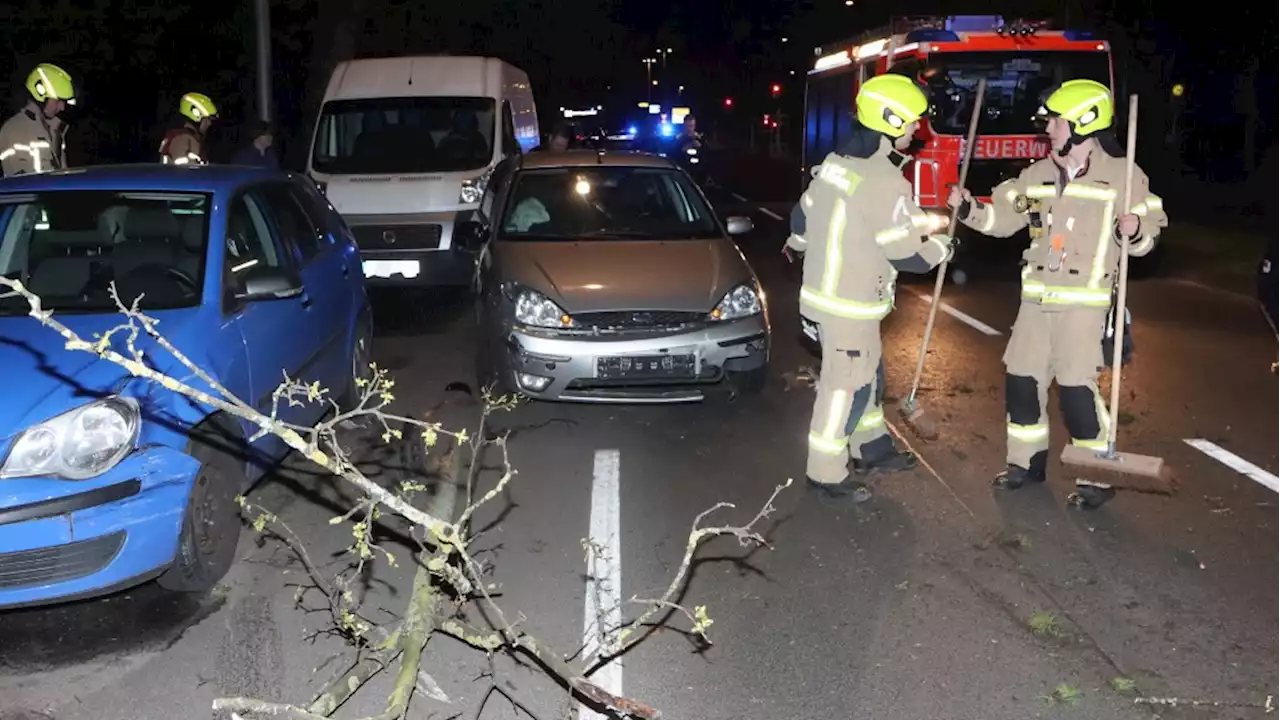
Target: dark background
(132, 59)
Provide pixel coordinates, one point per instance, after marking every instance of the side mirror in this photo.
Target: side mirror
(739, 225)
(469, 235)
(269, 284)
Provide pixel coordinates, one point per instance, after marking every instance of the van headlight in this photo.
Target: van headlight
(534, 308)
(742, 301)
(473, 189)
(76, 445)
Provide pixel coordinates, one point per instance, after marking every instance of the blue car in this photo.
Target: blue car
(107, 480)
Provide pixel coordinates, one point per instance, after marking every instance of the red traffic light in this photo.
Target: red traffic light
(766, 121)
(728, 102)
(777, 88)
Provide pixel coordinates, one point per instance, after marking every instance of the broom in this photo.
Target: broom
(912, 413)
(1093, 494)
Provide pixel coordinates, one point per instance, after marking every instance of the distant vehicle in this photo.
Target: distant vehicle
(1267, 285)
(608, 278)
(109, 480)
(404, 147)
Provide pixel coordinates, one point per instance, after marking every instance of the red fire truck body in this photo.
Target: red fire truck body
(947, 56)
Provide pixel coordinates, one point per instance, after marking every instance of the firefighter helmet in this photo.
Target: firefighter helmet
(1085, 104)
(889, 103)
(50, 82)
(196, 107)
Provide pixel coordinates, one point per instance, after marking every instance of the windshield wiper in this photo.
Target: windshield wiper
(607, 232)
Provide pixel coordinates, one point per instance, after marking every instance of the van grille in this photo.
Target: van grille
(397, 237)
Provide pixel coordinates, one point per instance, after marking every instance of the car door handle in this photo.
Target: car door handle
(305, 300)
(346, 271)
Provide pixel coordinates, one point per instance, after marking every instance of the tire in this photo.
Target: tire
(211, 523)
(361, 357)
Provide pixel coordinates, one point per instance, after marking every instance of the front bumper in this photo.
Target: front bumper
(414, 250)
(568, 364)
(107, 534)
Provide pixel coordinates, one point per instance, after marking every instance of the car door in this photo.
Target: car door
(333, 229)
(276, 331)
(325, 278)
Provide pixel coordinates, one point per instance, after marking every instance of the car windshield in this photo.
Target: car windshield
(404, 135)
(68, 247)
(606, 202)
(1016, 83)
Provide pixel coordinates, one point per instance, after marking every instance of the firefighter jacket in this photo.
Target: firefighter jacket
(182, 146)
(32, 143)
(1074, 255)
(860, 227)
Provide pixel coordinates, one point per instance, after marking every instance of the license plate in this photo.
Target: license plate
(645, 367)
(390, 268)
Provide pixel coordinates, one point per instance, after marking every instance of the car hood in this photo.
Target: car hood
(44, 378)
(605, 275)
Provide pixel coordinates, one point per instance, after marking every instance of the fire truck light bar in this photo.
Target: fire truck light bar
(826, 62)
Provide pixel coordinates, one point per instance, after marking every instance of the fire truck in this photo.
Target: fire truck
(947, 56)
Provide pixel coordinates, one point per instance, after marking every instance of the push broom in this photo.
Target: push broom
(1109, 460)
(912, 413)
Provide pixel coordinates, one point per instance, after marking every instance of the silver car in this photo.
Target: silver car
(607, 277)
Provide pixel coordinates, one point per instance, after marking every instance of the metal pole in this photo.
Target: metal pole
(262, 26)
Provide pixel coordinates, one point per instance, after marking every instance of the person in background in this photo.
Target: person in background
(185, 145)
(559, 139)
(259, 150)
(31, 141)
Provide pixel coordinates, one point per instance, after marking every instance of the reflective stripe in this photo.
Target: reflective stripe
(871, 419)
(851, 309)
(1105, 231)
(33, 149)
(1028, 433)
(884, 237)
(835, 253)
(1075, 112)
(1091, 444)
(1042, 191)
(989, 217)
(1065, 295)
(828, 441)
(1088, 192)
(839, 177)
(903, 111)
(1154, 202)
(1010, 196)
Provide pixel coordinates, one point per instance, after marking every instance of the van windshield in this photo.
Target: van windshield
(404, 135)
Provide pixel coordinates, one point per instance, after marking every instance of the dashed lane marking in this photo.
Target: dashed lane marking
(969, 320)
(1237, 463)
(603, 612)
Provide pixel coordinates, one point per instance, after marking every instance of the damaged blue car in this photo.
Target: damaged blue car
(108, 480)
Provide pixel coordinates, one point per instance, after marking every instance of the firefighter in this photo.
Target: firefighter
(32, 141)
(185, 145)
(1071, 204)
(858, 227)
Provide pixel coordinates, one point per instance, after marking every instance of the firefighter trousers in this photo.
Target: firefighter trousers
(848, 420)
(1063, 344)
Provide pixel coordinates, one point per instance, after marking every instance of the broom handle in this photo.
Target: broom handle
(1117, 348)
(951, 232)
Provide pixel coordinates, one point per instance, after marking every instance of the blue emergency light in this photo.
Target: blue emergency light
(666, 130)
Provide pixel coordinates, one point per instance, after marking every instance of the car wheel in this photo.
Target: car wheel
(211, 523)
(361, 358)
(749, 382)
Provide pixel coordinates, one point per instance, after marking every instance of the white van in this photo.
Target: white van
(403, 149)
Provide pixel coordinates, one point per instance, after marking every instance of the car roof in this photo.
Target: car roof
(584, 158)
(144, 177)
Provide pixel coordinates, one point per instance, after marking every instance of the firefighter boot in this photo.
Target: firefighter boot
(1015, 477)
(881, 456)
(1090, 495)
(846, 492)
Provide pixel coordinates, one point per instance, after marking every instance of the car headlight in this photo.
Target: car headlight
(742, 301)
(534, 308)
(78, 444)
(473, 189)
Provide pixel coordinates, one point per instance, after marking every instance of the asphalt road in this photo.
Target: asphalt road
(916, 605)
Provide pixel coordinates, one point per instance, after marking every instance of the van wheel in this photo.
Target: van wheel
(211, 523)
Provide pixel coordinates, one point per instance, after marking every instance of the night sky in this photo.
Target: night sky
(133, 58)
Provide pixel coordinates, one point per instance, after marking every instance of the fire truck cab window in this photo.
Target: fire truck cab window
(828, 114)
(1016, 83)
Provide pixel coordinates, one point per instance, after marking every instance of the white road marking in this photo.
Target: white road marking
(770, 213)
(739, 198)
(969, 320)
(1237, 463)
(603, 613)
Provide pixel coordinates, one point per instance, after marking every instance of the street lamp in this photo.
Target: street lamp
(648, 74)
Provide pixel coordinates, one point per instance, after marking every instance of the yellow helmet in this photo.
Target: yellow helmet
(889, 103)
(1085, 104)
(196, 107)
(50, 82)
